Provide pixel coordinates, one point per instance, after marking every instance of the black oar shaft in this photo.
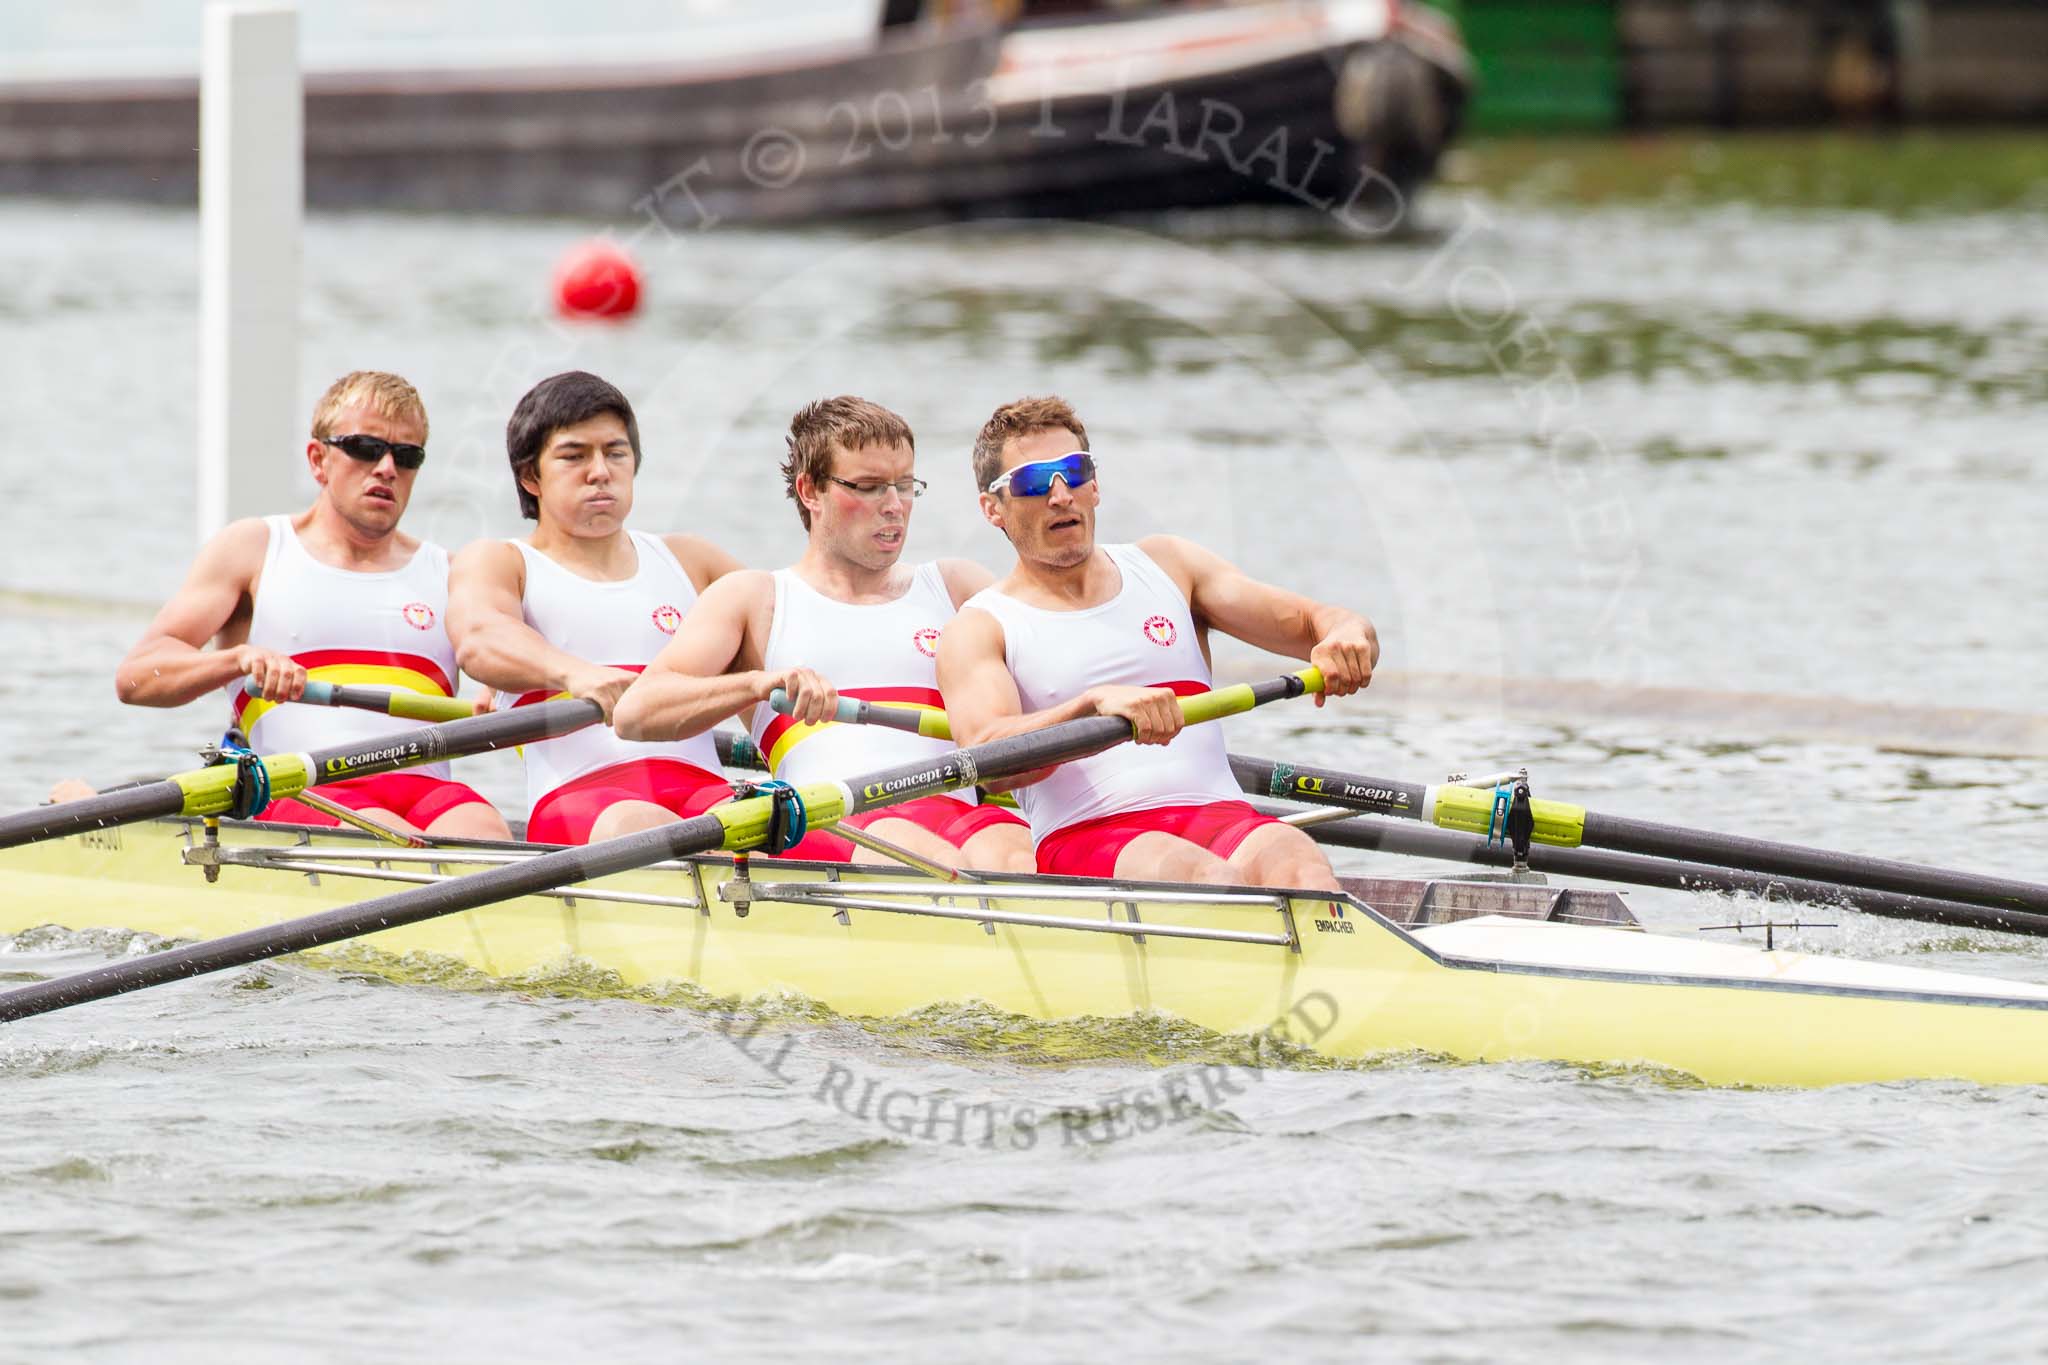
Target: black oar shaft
(1322, 786)
(145, 801)
(451, 739)
(386, 912)
(704, 833)
(736, 825)
(1380, 835)
(1796, 860)
(427, 744)
(738, 751)
(1768, 858)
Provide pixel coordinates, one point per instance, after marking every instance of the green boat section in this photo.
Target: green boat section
(1592, 65)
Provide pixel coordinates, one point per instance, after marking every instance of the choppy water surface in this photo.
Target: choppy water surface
(1722, 443)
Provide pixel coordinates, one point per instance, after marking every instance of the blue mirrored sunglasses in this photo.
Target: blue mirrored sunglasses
(1034, 480)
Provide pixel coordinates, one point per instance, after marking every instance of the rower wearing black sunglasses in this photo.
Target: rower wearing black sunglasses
(1082, 629)
(337, 594)
(370, 450)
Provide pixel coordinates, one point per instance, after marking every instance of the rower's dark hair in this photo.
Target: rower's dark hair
(842, 423)
(559, 401)
(1011, 421)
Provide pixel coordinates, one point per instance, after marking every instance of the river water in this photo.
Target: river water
(1730, 459)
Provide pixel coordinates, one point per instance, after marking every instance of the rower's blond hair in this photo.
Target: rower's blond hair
(387, 395)
(1014, 421)
(842, 423)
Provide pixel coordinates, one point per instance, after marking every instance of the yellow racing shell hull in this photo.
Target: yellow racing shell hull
(1491, 982)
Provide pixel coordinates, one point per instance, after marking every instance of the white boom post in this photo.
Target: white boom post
(251, 202)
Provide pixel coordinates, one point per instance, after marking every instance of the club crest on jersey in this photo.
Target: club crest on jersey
(667, 618)
(927, 642)
(1160, 631)
(418, 615)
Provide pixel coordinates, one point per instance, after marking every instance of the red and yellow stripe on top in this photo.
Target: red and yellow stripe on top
(784, 734)
(358, 668)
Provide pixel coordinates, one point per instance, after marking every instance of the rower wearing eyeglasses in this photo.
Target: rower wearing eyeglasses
(578, 608)
(337, 594)
(1081, 629)
(849, 618)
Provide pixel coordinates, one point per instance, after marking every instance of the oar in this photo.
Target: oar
(1382, 835)
(1643, 853)
(211, 791)
(734, 827)
(1470, 810)
(391, 701)
(734, 751)
(738, 751)
(932, 724)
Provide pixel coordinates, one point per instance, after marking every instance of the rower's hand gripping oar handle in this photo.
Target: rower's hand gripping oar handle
(391, 701)
(933, 724)
(853, 711)
(211, 791)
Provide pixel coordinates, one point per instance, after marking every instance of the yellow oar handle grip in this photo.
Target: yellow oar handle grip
(426, 706)
(392, 701)
(1240, 697)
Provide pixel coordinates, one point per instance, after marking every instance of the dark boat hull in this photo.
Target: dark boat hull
(921, 126)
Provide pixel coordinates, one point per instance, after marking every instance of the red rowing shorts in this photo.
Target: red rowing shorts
(415, 798)
(565, 815)
(952, 820)
(1090, 848)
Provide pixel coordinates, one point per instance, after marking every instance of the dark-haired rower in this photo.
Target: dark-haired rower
(578, 608)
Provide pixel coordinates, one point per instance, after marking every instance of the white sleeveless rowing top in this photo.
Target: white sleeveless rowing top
(879, 652)
(620, 625)
(368, 629)
(1142, 637)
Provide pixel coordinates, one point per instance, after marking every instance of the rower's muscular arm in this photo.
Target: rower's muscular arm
(711, 670)
(493, 643)
(1342, 643)
(170, 666)
(982, 702)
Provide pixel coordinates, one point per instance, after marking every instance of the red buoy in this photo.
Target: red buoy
(596, 279)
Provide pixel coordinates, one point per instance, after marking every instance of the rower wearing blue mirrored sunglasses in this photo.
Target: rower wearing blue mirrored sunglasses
(1034, 480)
(1080, 628)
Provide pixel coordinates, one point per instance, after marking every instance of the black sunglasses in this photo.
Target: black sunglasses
(370, 449)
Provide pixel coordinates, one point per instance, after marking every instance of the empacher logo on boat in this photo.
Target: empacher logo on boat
(418, 615)
(667, 618)
(927, 642)
(1159, 630)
